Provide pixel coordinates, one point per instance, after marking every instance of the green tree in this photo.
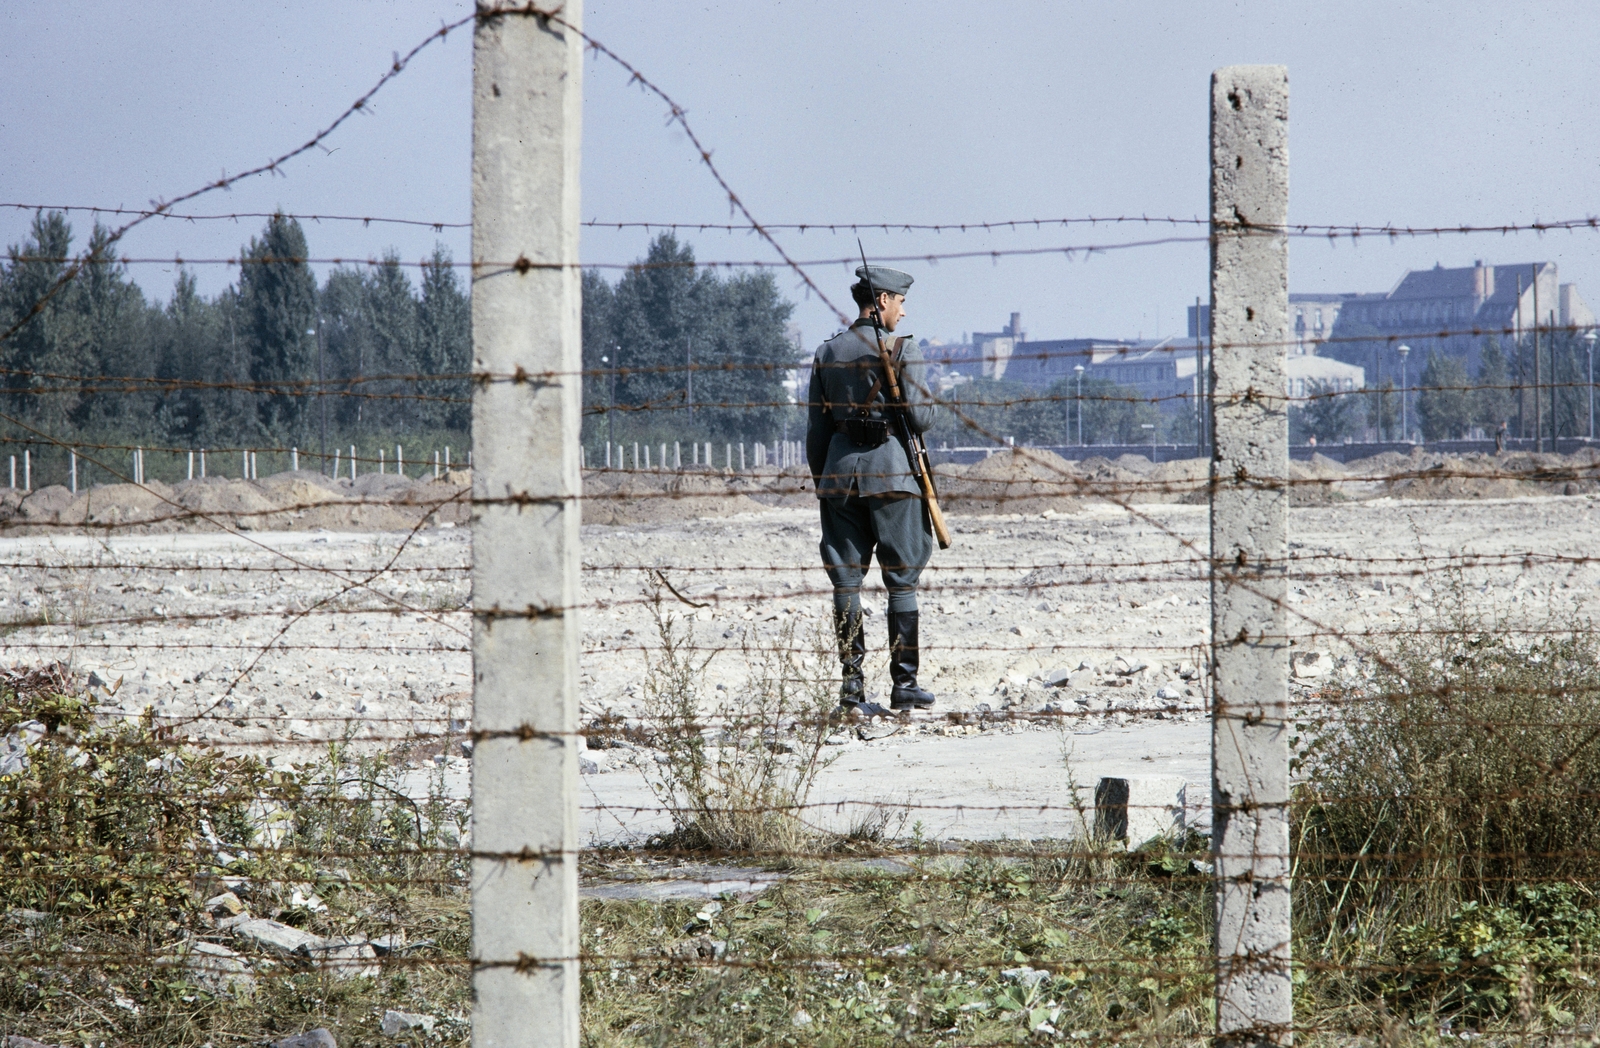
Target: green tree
(694, 356)
(444, 343)
(1383, 411)
(1328, 413)
(1444, 404)
(198, 349)
(1492, 401)
(1112, 414)
(277, 304)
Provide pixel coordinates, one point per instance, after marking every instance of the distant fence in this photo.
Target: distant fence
(1338, 452)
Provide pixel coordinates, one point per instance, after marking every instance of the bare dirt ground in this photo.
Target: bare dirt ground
(281, 641)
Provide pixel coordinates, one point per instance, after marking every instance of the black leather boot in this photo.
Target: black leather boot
(852, 654)
(904, 656)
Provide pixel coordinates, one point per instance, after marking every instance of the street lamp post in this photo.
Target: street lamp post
(322, 391)
(611, 402)
(1405, 430)
(1589, 338)
(1079, 370)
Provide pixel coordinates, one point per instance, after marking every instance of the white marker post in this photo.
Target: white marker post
(1249, 554)
(526, 113)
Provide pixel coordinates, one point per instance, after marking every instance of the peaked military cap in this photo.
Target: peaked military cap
(885, 279)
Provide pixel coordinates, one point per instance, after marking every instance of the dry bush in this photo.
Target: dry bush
(736, 772)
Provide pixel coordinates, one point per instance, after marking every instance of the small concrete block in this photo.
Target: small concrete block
(214, 968)
(321, 1037)
(396, 1023)
(225, 905)
(344, 958)
(275, 937)
(1309, 664)
(1136, 809)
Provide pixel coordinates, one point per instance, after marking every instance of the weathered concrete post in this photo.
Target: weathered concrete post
(526, 108)
(1249, 550)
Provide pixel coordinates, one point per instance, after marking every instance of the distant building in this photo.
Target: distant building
(1311, 319)
(1454, 310)
(1309, 373)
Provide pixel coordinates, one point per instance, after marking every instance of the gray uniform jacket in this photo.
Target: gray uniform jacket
(841, 383)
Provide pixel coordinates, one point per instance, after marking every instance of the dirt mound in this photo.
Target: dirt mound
(1175, 481)
(1024, 480)
(1494, 477)
(292, 501)
(626, 497)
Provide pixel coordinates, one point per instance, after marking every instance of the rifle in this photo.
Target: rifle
(899, 410)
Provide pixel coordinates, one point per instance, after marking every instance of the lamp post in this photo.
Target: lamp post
(322, 392)
(1589, 339)
(611, 403)
(1079, 370)
(1405, 431)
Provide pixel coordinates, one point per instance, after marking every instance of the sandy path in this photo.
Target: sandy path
(360, 635)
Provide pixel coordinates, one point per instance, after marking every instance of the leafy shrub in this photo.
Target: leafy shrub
(109, 821)
(1443, 800)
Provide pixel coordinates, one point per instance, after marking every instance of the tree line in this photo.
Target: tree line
(675, 352)
(270, 361)
(1449, 402)
(985, 411)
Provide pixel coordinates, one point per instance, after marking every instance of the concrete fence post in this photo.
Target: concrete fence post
(1249, 553)
(526, 111)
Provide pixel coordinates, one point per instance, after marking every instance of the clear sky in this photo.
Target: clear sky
(832, 111)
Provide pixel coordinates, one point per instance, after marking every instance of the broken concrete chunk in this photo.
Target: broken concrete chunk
(396, 1023)
(344, 958)
(275, 937)
(321, 1037)
(214, 968)
(387, 944)
(1309, 664)
(27, 918)
(225, 905)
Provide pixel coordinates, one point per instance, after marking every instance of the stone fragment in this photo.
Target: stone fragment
(1055, 678)
(396, 1023)
(321, 1037)
(1310, 664)
(275, 937)
(344, 958)
(18, 1041)
(214, 968)
(27, 918)
(1169, 693)
(225, 905)
(701, 947)
(392, 942)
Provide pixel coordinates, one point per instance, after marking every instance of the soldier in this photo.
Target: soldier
(869, 498)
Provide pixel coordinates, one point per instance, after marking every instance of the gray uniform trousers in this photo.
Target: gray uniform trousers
(895, 527)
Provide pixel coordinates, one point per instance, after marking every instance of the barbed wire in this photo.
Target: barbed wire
(1357, 229)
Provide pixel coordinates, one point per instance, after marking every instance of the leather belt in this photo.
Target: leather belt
(863, 432)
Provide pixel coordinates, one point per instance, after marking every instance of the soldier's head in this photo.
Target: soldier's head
(890, 285)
